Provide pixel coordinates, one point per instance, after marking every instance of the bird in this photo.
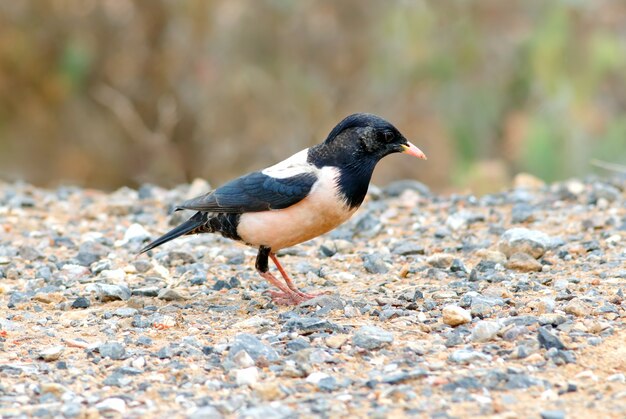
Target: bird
(298, 199)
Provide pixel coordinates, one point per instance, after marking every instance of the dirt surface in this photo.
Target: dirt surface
(508, 305)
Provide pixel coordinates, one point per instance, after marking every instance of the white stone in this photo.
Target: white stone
(316, 377)
(247, 376)
(455, 315)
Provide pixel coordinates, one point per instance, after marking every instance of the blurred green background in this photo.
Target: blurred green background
(104, 93)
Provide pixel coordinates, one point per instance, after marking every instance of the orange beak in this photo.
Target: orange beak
(412, 150)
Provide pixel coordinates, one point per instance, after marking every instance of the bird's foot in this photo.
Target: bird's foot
(288, 299)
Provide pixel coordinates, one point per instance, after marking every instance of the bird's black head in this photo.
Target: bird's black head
(354, 146)
(362, 138)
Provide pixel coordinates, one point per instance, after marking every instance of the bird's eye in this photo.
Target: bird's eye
(388, 136)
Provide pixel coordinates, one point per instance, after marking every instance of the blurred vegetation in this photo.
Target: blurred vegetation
(106, 93)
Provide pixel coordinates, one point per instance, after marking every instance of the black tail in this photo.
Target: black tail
(199, 219)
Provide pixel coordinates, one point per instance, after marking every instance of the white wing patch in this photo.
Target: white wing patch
(294, 165)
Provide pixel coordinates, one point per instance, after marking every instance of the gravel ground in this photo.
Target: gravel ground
(509, 305)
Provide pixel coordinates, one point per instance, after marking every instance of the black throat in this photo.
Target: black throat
(355, 167)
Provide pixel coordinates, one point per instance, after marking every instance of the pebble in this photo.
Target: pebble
(577, 308)
(113, 404)
(169, 294)
(465, 356)
(522, 240)
(523, 262)
(375, 264)
(247, 376)
(52, 353)
(552, 414)
(206, 412)
(113, 350)
(253, 347)
(440, 260)
(484, 331)
(135, 233)
(269, 411)
(372, 337)
(548, 340)
(408, 248)
(462, 219)
(522, 212)
(455, 316)
(107, 292)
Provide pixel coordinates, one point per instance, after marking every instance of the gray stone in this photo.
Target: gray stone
(523, 262)
(125, 312)
(113, 350)
(307, 325)
(108, 292)
(521, 213)
(547, 340)
(81, 302)
(206, 412)
(396, 188)
(375, 264)
(372, 337)
(523, 240)
(169, 294)
(463, 218)
(253, 346)
(268, 411)
(552, 414)
(484, 331)
(466, 356)
(408, 248)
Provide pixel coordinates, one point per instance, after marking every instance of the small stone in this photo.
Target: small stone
(53, 388)
(206, 412)
(492, 256)
(458, 266)
(243, 360)
(147, 291)
(440, 260)
(577, 308)
(125, 312)
(485, 331)
(113, 404)
(337, 341)
(29, 253)
(548, 340)
(521, 213)
(169, 294)
(113, 350)
(269, 391)
(455, 316)
(107, 292)
(523, 262)
(375, 264)
(408, 248)
(253, 347)
(81, 302)
(268, 411)
(247, 376)
(465, 356)
(52, 353)
(462, 219)
(135, 233)
(552, 414)
(316, 377)
(372, 337)
(522, 240)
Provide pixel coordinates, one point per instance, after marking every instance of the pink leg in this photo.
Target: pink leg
(285, 296)
(289, 282)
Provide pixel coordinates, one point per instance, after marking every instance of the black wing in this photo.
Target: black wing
(254, 192)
